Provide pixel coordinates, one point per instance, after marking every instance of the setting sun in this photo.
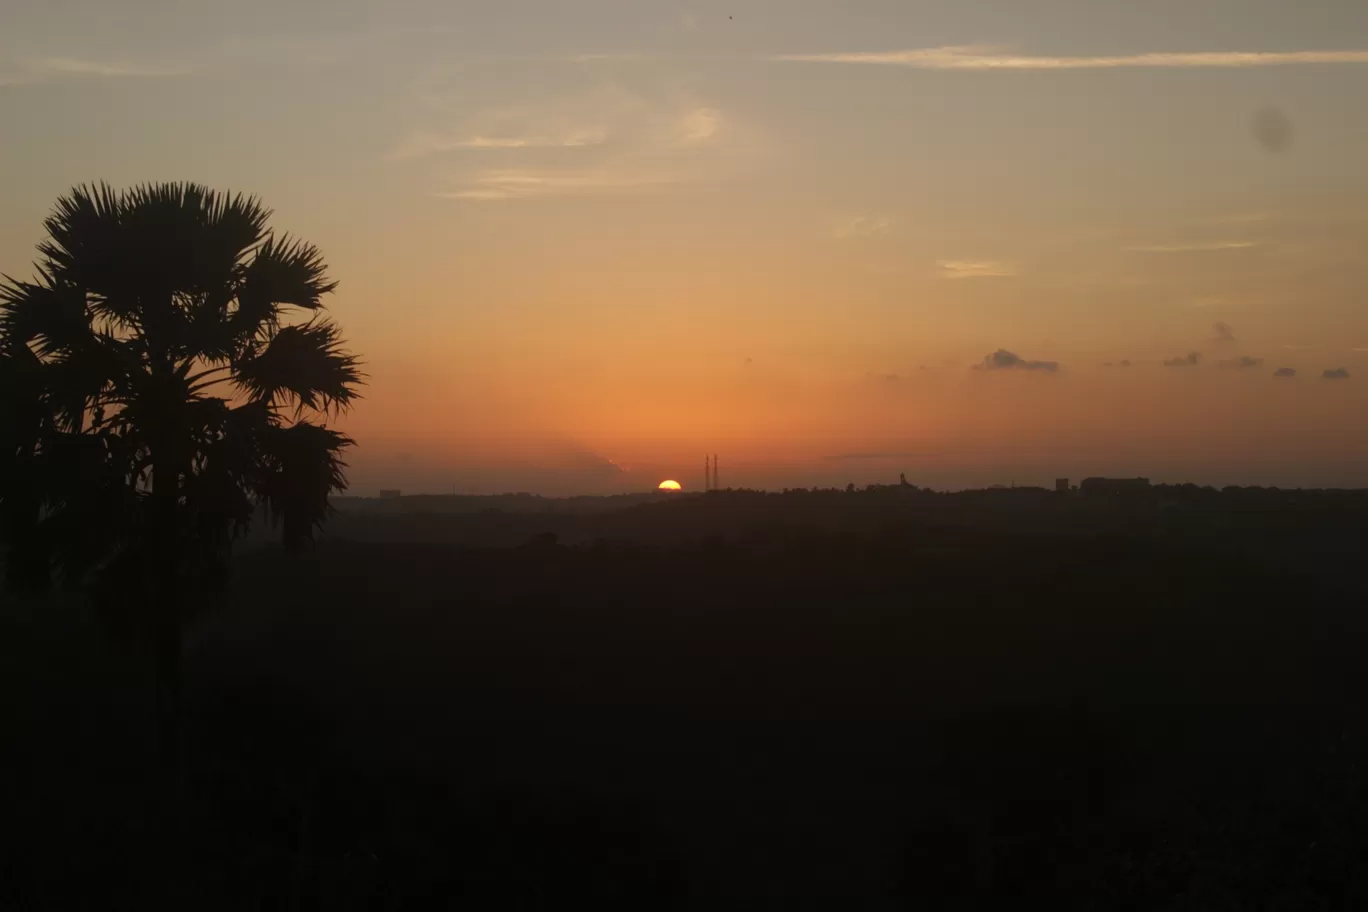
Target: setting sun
(670, 486)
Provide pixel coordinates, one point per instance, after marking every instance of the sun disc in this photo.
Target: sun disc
(670, 486)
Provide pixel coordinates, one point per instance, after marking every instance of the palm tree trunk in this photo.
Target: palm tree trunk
(169, 703)
(166, 617)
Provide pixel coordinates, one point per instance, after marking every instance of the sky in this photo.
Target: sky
(581, 245)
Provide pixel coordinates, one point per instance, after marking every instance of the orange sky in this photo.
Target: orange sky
(582, 245)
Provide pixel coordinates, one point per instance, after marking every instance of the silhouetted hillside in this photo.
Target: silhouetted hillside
(1315, 531)
(895, 699)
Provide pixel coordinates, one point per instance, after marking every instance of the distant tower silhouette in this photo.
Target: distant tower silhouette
(716, 485)
(707, 474)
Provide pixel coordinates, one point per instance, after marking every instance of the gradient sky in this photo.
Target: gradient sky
(581, 244)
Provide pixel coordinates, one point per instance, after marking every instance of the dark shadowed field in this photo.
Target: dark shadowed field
(811, 700)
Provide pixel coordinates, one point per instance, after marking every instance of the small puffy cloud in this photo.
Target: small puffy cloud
(1335, 373)
(1191, 359)
(975, 269)
(1243, 362)
(1272, 129)
(1002, 359)
(1223, 332)
(862, 226)
(1116, 364)
(1285, 372)
(700, 124)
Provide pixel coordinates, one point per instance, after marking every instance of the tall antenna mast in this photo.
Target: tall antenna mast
(715, 483)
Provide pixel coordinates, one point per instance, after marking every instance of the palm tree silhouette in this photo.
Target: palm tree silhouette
(154, 392)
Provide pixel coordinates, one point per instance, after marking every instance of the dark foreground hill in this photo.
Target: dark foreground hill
(863, 712)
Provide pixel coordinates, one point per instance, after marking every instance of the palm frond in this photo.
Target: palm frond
(138, 251)
(304, 364)
(91, 509)
(218, 490)
(284, 272)
(303, 465)
(23, 419)
(51, 315)
(81, 233)
(23, 408)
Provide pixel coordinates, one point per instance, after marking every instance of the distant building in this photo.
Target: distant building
(1111, 487)
(390, 493)
(1061, 485)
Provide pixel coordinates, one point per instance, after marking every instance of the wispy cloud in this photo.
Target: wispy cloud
(1242, 218)
(284, 49)
(1191, 359)
(1285, 372)
(428, 143)
(625, 56)
(1335, 373)
(1242, 363)
(51, 69)
(523, 185)
(975, 269)
(1223, 332)
(1199, 247)
(987, 57)
(861, 226)
(602, 136)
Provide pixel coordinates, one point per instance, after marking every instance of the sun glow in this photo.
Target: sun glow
(670, 486)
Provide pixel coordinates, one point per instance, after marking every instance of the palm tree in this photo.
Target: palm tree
(166, 373)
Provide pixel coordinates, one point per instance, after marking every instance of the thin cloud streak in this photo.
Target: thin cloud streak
(1209, 247)
(284, 49)
(628, 57)
(50, 69)
(975, 269)
(429, 144)
(862, 226)
(522, 185)
(982, 58)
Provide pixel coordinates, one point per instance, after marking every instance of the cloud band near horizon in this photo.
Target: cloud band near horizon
(981, 58)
